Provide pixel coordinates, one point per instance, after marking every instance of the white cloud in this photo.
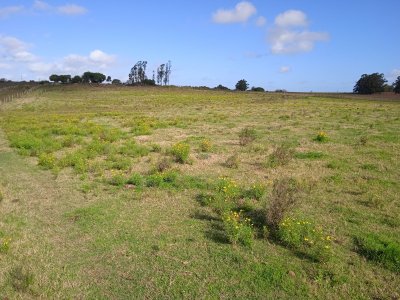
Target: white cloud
(284, 69)
(41, 67)
(9, 10)
(72, 9)
(41, 5)
(284, 39)
(13, 49)
(261, 21)
(240, 14)
(291, 18)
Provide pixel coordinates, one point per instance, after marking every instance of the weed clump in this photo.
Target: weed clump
(238, 228)
(4, 244)
(180, 152)
(281, 156)
(232, 162)
(285, 194)
(47, 161)
(21, 279)
(247, 136)
(205, 145)
(321, 137)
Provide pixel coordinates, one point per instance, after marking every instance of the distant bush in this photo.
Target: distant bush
(257, 89)
(242, 85)
(280, 91)
(116, 81)
(221, 87)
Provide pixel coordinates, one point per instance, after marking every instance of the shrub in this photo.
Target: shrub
(247, 135)
(205, 145)
(304, 236)
(47, 161)
(379, 249)
(238, 228)
(181, 151)
(163, 179)
(321, 137)
(232, 162)
(228, 188)
(257, 89)
(281, 156)
(284, 196)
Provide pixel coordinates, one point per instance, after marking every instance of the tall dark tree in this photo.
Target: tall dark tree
(108, 79)
(370, 84)
(160, 74)
(138, 73)
(168, 68)
(242, 85)
(396, 86)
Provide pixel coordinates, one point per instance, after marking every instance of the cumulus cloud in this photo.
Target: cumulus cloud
(284, 69)
(240, 14)
(72, 9)
(13, 49)
(10, 10)
(284, 38)
(286, 41)
(291, 18)
(261, 21)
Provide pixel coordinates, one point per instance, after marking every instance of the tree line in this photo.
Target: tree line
(375, 83)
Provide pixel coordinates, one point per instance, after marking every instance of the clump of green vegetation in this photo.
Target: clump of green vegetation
(21, 279)
(238, 228)
(4, 244)
(117, 179)
(256, 191)
(47, 161)
(162, 179)
(155, 148)
(205, 199)
(281, 156)
(1, 195)
(304, 236)
(285, 194)
(380, 250)
(321, 137)
(205, 145)
(309, 155)
(132, 149)
(228, 188)
(232, 161)
(247, 135)
(136, 179)
(180, 151)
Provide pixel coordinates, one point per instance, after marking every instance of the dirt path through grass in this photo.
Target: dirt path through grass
(32, 216)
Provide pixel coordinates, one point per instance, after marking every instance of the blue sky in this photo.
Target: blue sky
(298, 45)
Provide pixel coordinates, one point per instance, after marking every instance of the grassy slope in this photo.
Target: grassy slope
(81, 237)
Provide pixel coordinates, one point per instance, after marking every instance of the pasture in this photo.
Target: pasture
(118, 192)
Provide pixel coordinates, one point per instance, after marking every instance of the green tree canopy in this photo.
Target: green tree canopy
(242, 85)
(90, 77)
(370, 84)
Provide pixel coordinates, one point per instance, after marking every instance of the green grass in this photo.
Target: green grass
(96, 205)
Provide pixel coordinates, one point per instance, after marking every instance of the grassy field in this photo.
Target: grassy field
(116, 192)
